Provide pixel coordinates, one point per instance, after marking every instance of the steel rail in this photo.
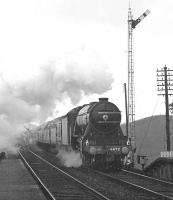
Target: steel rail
(74, 179)
(41, 184)
(135, 186)
(148, 177)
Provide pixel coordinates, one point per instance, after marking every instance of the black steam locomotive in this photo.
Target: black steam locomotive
(93, 130)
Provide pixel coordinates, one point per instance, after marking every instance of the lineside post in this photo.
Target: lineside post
(164, 84)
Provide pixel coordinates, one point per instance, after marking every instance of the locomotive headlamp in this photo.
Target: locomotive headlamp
(87, 142)
(125, 150)
(92, 150)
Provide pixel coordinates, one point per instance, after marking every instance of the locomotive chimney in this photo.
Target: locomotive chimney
(103, 99)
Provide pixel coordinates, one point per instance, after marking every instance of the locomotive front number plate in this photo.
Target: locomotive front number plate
(114, 149)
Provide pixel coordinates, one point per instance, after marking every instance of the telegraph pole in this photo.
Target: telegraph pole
(165, 83)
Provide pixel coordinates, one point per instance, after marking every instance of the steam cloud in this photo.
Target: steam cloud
(70, 159)
(71, 77)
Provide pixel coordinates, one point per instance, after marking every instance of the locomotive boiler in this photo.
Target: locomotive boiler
(93, 130)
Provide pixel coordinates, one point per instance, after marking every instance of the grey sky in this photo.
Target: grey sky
(37, 32)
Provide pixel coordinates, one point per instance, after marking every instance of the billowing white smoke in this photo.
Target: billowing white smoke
(70, 158)
(14, 112)
(71, 77)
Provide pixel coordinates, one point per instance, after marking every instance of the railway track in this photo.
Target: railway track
(111, 186)
(163, 187)
(55, 183)
(148, 177)
(155, 187)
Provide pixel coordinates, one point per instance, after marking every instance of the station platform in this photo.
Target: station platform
(16, 183)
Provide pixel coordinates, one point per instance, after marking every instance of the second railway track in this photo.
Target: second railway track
(155, 187)
(57, 184)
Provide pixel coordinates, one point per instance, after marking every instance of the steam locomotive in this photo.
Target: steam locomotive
(93, 130)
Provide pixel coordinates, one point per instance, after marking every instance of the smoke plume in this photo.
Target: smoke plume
(71, 77)
(70, 159)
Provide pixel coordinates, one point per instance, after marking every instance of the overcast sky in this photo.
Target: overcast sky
(84, 43)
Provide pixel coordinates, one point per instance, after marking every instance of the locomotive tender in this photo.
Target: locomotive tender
(93, 130)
